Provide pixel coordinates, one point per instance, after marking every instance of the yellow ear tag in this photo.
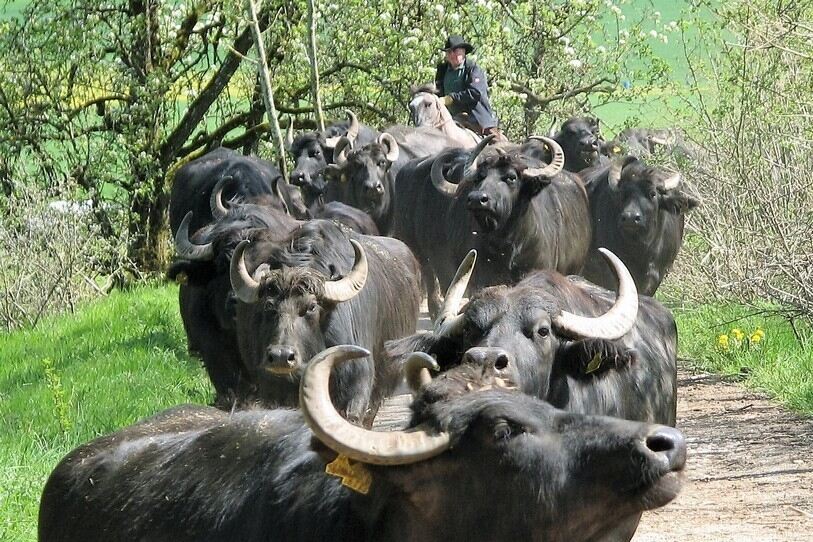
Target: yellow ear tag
(353, 474)
(181, 278)
(594, 364)
(616, 150)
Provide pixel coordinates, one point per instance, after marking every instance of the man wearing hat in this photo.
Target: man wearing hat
(464, 89)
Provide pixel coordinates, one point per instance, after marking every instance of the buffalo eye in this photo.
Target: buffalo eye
(314, 153)
(543, 331)
(653, 194)
(510, 179)
(505, 430)
(312, 308)
(382, 163)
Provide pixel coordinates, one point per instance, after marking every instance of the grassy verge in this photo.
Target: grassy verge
(76, 377)
(765, 352)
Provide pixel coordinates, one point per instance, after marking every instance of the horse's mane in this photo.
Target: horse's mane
(426, 87)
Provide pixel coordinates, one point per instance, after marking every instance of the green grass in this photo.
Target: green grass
(781, 363)
(79, 376)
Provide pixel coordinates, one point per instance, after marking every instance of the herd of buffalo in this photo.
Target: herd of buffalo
(543, 406)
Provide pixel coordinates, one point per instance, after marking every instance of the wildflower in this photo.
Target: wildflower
(722, 342)
(575, 63)
(601, 49)
(737, 334)
(757, 336)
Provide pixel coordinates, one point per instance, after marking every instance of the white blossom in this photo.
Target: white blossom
(653, 33)
(575, 63)
(570, 51)
(601, 49)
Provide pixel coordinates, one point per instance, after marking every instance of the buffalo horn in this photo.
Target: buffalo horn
(353, 129)
(289, 135)
(391, 145)
(617, 321)
(671, 182)
(341, 149)
(471, 163)
(448, 317)
(348, 287)
(246, 287)
(185, 247)
(278, 194)
(216, 206)
(614, 175)
(557, 160)
(416, 370)
(357, 443)
(439, 180)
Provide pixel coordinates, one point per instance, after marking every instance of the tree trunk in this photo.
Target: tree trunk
(317, 101)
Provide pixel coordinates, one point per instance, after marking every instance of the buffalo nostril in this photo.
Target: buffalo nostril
(670, 443)
(484, 199)
(379, 188)
(291, 356)
(501, 362)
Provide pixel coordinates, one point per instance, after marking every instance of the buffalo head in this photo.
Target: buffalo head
(497, 187)
(580, 140)
(639, 192)
(285, 310)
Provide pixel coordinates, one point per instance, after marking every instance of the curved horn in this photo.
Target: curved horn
(454, 294)
(617, 321)
(557, 159)
(614, 175)
(246, 287)
(185, 247)
(279, 195)
(671, 182)
(388, 142)
(348, 287)
(357, 443)
(341, 149)
(289, 135)
(439, 180)
(216, 199)
(416, 370)
(471, 163)
(353, 129)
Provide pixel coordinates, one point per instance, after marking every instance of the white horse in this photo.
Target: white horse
(427, 109)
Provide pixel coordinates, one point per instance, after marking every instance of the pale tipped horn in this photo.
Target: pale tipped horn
(278, 193)
(416, 370)
(470, 168)
(289, 135)
(353, 129)
(439, 180)
(617, 321)
(671, 182)
(246, 287)
(348, 287)
(357, 443)
(456, 290)
(216, 199)
(557, 162)
(187, 249)
(391, 145)
(341, 149)
(614, 175)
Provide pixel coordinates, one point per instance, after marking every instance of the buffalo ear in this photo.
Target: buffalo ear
(328, 455)
(677, 202)
(590, 358)
(333, 172)
(533, 185)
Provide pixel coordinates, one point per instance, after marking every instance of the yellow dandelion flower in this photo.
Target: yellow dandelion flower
(756, 337)
(760, 332)
(737, 334)
(722, 342)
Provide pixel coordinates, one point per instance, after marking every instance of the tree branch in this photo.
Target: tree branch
(543, 101)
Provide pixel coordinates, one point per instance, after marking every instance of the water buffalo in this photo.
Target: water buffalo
(519, 213)
(313, 151)
(246, 178)
(321, 287)
(206, 300)
(642, 142)
(638, 212)
(511, 467)
(364, 177)
(581, 141)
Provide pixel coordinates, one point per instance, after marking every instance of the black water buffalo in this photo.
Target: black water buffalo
(313, 151)
(511, 467)
(206, 300)
(566, 341)
(519, 213)
(638, 212)
(364, 176)
(245, 178)
(321, 287)
(581, 142)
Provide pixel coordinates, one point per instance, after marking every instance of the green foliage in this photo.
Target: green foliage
(76, 378)
(763, 350)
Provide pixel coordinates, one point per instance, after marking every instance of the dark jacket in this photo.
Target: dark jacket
(474, 98)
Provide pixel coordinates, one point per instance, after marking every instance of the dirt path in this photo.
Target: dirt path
(749, 469)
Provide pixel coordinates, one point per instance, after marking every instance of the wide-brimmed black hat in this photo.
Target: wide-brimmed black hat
(453, 42)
